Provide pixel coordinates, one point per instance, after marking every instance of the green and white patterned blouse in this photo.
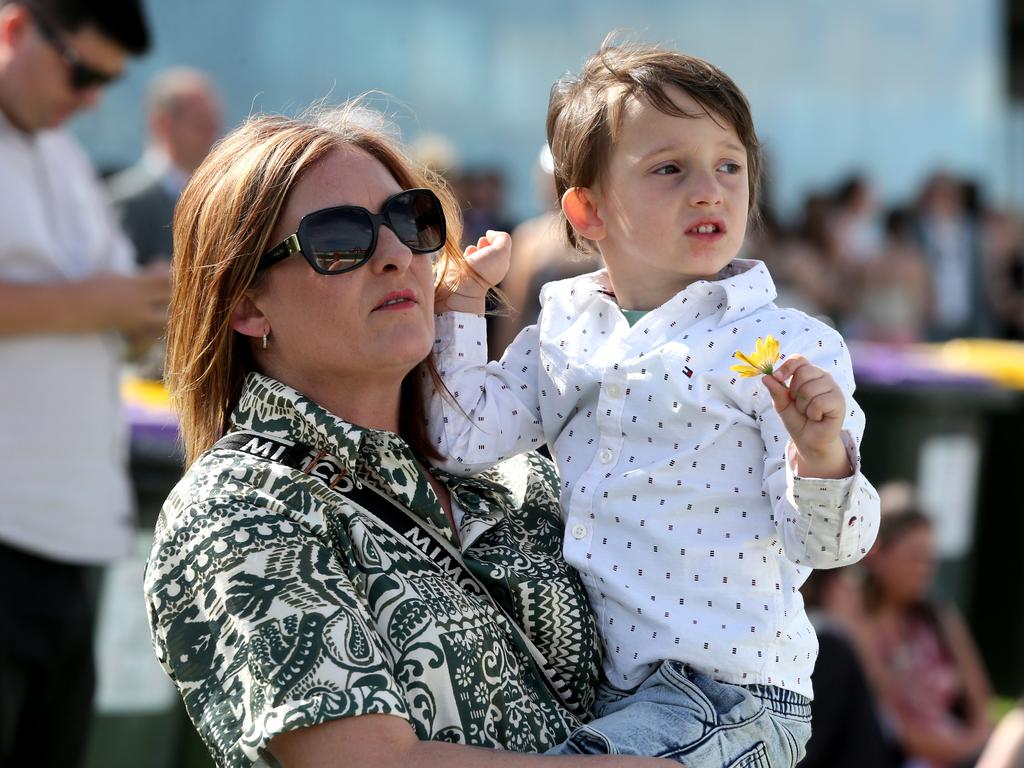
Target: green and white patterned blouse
(276, 603)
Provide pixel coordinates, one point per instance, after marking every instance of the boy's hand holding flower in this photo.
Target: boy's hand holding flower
(812, 408)
(489, 258)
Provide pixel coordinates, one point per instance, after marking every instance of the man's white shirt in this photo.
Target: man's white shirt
(65, 489)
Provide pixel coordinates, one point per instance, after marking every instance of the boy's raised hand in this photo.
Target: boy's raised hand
(812, 408)
(489, 260)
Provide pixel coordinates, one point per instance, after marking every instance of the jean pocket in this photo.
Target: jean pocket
(589, 741)
(753, 758)
(796, 732)
(724, 704)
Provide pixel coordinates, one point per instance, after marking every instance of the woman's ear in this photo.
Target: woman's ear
(248, 320)
(580, 208)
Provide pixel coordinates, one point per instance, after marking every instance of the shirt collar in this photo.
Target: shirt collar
(268, 406)
(272, 408)
(743, 286)
(7, 127)
(160, 166)
(747, 286)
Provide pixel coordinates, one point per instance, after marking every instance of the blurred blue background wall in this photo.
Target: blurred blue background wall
(894, 88)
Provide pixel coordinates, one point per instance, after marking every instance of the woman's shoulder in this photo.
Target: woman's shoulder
(528, 476)
(229, 493)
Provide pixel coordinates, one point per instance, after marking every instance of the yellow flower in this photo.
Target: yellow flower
(761, 362)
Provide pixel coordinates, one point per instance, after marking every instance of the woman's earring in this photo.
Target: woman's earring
(266, 337)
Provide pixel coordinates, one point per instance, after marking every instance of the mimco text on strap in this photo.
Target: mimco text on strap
(329, 470)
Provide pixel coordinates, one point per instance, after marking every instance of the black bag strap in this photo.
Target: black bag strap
(435, 548)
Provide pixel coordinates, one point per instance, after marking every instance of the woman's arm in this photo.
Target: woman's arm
(977, 689)
(951, 740)
(385, 741)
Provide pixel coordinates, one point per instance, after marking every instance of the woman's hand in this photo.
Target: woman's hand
(812, 408)
(489, 260)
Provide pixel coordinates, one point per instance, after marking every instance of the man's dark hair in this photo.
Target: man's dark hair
(123, 21)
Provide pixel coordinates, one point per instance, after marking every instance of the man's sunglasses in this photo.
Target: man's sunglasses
(343, 238)
(81, 75)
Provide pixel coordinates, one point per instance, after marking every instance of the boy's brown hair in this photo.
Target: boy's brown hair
(584, 111)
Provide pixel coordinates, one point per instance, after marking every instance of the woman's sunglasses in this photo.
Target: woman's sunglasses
(343, 238)
(80, 75)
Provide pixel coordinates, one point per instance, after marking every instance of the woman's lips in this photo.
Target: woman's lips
(396, 300)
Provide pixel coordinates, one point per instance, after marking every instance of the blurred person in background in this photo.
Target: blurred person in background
(438, 154)
(950, 237)
(540, 254)
(845, 729)
(482, 191)
(930, 680)
(810, 267)
(66, 294)
(854, 222)
(1004, 249)
(183, 120)
(896, 287)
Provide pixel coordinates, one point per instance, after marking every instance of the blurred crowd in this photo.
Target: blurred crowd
(942, 265)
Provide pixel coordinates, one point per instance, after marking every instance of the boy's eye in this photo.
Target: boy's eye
(730, 167)
(667, 169)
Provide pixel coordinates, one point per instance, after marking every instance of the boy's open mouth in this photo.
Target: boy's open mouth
(706, 228)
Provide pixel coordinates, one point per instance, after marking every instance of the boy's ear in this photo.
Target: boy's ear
(248, 320)
(580, 208)
(14, 22)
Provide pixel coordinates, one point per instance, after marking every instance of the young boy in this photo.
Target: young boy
(695, 501)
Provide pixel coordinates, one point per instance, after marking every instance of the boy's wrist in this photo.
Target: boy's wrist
(464, 302)
(830, 463)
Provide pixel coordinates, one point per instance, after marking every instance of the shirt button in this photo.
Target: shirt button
(605, 456)
(578, 531)
(614, 390)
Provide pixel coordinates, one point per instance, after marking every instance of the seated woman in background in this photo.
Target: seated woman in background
(845, 729)
(317, 594)
(929, 677)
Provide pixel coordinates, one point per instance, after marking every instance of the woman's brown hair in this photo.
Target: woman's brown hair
(893, 526)
(222, 226)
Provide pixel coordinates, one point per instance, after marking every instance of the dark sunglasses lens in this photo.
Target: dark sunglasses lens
(83, 77)
(339, 240)
(417, 219)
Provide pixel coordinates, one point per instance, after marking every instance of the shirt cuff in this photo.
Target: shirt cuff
(828, 525)
(460, 337)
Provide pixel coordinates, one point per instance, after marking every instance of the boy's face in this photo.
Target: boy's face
(673, 201)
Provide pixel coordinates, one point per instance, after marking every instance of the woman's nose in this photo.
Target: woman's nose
(391, 254)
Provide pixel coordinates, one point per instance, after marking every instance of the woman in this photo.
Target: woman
(303, 625)
(921, 658)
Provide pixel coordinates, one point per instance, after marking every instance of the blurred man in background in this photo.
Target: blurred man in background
(183, 121)
(66, 294)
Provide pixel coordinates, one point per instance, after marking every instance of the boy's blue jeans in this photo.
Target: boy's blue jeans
(685, 715)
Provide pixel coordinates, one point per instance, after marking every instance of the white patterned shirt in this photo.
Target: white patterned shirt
(687, 523)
